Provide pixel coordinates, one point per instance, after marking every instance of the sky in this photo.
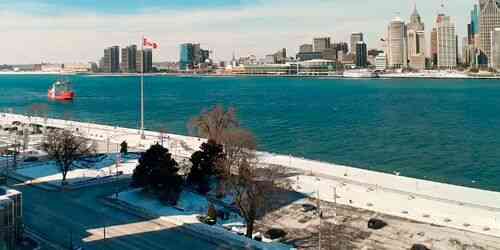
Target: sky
(71, 31)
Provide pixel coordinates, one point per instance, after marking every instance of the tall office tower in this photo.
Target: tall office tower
(474, 26)
(396, 44)
(144, 61)
(466, 52)
(495, 49)
(197, 54)
(321, 44)
(192, 55)
(355, 38)
(434, 43)
(446, 42)
(306, 48)
(489, 19)
(361, 55)
(186, 57)
(129, 59)
(111, 60)
(416, 41)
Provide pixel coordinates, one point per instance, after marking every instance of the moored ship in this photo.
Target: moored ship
(61, 90)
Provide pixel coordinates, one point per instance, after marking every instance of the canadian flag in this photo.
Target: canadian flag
(148, 43)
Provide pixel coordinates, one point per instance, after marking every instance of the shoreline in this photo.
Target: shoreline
(448, 205)
(189, 75)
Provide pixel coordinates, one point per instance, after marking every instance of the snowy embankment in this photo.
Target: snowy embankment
(430, 202)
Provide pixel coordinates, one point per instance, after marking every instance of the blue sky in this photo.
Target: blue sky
(78, 30)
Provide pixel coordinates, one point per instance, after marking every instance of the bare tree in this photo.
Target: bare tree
(65, 147)
(251, 184)
(239, 145)
(212, 124)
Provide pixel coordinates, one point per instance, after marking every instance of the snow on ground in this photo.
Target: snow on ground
(49, 172)
(412, 207)
(190, 205)
(420, 200)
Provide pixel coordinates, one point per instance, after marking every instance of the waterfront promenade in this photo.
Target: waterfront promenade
(420, 200)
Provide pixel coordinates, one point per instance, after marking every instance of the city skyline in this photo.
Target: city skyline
(77, 32)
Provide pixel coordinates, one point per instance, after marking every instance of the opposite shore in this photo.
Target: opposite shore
(333, 75)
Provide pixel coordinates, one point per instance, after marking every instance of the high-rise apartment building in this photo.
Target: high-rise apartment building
(489, 19)
(111, 60)
(361, 55)
(396, 44)
(355, 38)
(129, 59)
(144, 61)
(495, 49)
(321, 44)
(416, 41)
(446, 42)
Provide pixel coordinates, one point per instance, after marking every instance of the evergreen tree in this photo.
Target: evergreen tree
(157, 171)
(205, 165)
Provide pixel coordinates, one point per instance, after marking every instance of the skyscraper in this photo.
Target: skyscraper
(495, 49)
(321, 43)
(361, 55)
(416, 41)
(474, 26)
(129, 59)
(111, 60)
(434, 44)
(489, 19)
(396, 44)
(446, 42)
(355, 38)
(186, 58)
(144, 60)
(192, 55)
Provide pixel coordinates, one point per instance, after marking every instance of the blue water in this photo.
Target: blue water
(441, 130)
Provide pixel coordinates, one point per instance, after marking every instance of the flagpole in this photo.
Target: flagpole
(142, 88)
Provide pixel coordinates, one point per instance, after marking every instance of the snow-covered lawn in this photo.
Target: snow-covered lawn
(191, 205)
(188, 207)
(49, 172)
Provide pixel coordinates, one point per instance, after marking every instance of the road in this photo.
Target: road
(60, 216)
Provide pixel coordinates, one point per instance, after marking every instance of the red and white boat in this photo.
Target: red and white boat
(61, 90)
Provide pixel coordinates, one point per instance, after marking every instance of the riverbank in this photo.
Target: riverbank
(420, 200)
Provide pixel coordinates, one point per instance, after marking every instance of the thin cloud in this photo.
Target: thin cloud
(258, 28)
